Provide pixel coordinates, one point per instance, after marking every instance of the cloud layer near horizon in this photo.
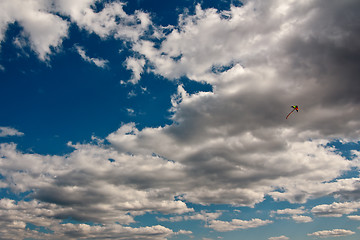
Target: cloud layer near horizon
(229, 146)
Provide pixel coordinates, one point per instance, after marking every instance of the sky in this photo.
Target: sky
(160, 120)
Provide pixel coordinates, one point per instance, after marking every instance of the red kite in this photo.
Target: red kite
(295, 107)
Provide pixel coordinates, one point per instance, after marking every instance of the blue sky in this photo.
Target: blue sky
(166, 120)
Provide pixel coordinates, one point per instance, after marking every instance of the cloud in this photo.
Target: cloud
(171, 219)
(45, 26)
(289, 211)
(203, 216)
(354, 217)
(335, 209)
(332, 233)
(15, 217)
(116, 231)
(217, 160)
(110, 21)
(115, 192)
(279, 238)
(183, 232)
(136, 66)
(295, 214)
(44, 30)
(130, 112)
(85, 186)
(259, 63)
(8, 131)
(350, 188)
(281, 55)
(301, 218)
(274, 42)
(223, 226)
(340, 188)
(229, 146)
(97, 61)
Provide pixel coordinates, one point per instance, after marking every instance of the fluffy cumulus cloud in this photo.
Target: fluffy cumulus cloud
(224, 226)
(259, 58)
(227, 168)
(295, 214)
(114, 192)
(289, 211)
(114, 189)
(44, 29)
(354, 217)
(136, 66)
(202, 216)
(335, 209)
(301, 219)
(45, 26)
(332, 233)
(16, 216)
(111, 20)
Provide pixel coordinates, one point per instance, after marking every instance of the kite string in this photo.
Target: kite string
(290, 113)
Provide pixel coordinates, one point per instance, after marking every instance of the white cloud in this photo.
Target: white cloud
(111, 20)
(8, 131)
(14, 217)
(332, 233)
(44, 30)
(295, 214)
(97, 61)
(136, 66)
(184, 232)
(340, 188)
(223, 226)
(112, 190)
(335, 209)
(354, 217)
(203, 216)
(157, 232)
(130, 111)
(289, 211)
(301, 219)
(279, 238)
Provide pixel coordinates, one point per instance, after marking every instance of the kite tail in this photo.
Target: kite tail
(289, 114)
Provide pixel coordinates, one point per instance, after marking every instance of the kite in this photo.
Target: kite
(295, 107)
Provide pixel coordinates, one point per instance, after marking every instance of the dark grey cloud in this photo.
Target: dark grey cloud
(237, 138)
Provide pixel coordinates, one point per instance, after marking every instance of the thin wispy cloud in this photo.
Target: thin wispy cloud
(8, 131)
(97, 61)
